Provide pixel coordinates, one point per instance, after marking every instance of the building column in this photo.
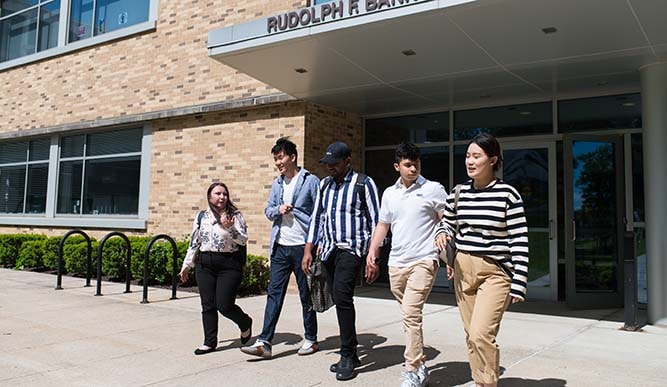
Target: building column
(654, 122)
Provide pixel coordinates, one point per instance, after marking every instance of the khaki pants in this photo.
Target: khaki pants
(411, 286)
(482, 294)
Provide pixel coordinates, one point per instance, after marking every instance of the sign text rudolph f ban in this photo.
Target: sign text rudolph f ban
(329, 12)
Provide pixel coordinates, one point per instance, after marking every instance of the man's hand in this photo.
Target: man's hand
(441, 241)
(450, 272)
(516, 300)
(306, 261)
(285, 209)
(184, 274)
(372, 269)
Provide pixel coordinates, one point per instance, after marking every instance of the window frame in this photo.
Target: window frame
(52, 218)
(64, 47)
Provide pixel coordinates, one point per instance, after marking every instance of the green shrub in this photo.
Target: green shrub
(255, 276)
(114, 257)
(76, 257)
(50, 257)
(31, 254)
(10, 247)
(159, 261)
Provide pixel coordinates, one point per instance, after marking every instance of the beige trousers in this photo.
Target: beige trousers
(482, 294)
(411, 286)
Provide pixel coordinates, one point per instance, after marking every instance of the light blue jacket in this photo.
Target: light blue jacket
(303, 201)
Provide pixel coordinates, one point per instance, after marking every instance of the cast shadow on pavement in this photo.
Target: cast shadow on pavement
(457, 373)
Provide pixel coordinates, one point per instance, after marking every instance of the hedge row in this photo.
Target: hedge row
(38, 252)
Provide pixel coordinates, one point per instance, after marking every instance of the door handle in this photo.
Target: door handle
(574, 231)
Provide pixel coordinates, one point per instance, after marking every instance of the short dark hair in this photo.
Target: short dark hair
(286, 146)
(407, 150)
(490, 146)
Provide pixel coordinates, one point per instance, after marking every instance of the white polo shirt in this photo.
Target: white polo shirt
(413, 216)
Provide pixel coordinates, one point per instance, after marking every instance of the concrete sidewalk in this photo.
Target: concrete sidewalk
(71, 338)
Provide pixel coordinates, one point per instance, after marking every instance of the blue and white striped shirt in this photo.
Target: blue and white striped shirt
(338, 218)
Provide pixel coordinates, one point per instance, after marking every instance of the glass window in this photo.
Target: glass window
(49, 23)
(106, 179)
(419, 129)
(8, 7)
(599, 113)
(460, 171)
(17, 194)
(12, 185)
(91, 18)
(18, 35)
(435, 164)
(515, 120)
(111, 186)
(380, 166)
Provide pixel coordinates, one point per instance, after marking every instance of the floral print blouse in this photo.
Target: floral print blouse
(213, 237)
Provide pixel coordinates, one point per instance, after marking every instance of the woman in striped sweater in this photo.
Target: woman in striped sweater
(491, 266)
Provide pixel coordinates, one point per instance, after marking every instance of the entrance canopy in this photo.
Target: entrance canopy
(376, 57)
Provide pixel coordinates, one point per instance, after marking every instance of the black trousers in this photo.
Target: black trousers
(341, 269)
(219, 276)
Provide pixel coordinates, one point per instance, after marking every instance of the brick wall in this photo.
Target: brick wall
(153, 71)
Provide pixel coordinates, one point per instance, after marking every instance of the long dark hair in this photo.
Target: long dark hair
(490, 146)
(230, 207)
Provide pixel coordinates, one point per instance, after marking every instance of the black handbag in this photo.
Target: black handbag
(320, 292)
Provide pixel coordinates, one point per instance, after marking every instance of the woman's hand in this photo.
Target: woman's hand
(184, 274)
(226, 220)
(516, 300)
(450, 272)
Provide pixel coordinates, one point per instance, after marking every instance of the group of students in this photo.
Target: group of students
(339, 220)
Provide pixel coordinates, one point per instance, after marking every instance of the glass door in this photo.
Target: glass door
(530, 168)
(594, 211)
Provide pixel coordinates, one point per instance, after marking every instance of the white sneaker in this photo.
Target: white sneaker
(422, 372)
(260, 349)
(308, 347)
(410, 379)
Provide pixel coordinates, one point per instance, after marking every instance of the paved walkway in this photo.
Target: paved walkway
(71, 338)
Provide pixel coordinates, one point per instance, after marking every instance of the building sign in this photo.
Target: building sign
(327, 12)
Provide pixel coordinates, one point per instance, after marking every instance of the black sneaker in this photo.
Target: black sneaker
(355, 361)
(345, 369)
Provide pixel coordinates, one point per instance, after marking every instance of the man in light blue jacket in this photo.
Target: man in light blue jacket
(290, 206)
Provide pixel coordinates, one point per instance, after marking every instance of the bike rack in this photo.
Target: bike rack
(174, 269)
(89, 267)
(128, 273)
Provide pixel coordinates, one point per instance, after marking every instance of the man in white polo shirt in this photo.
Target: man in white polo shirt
(411, 208)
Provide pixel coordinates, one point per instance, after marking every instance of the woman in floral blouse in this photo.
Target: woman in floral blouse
(217, 236)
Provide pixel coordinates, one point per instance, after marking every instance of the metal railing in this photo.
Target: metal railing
(174, 266)
(128, 274)
(89, 262)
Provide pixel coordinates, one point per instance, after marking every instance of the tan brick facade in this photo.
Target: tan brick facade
(153, 71)
(169, 69)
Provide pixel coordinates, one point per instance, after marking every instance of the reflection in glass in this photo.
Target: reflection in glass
(8, 7)
(503, 121)
(610, 112)
(380, 166)
(596, 244)
(69, 187)
(12, 188)
(435, 165)
(111, 15)
(460, 171)
(80, 20)
(18, 35)
(419, 129)
(49, 19)
(112, 186)
(36, 195)
(527, 170)
(119, 141)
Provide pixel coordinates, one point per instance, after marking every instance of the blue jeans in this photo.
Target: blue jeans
(285, 261)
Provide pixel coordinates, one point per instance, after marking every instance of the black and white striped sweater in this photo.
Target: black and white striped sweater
(492, 223)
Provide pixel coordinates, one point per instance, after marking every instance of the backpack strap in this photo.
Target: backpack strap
(199, 218)
(361, 189)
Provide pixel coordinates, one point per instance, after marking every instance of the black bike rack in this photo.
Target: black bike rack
(127, 262)
(89, 264)
(174, 269)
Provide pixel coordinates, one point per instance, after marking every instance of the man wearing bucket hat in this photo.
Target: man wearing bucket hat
(344, 216)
